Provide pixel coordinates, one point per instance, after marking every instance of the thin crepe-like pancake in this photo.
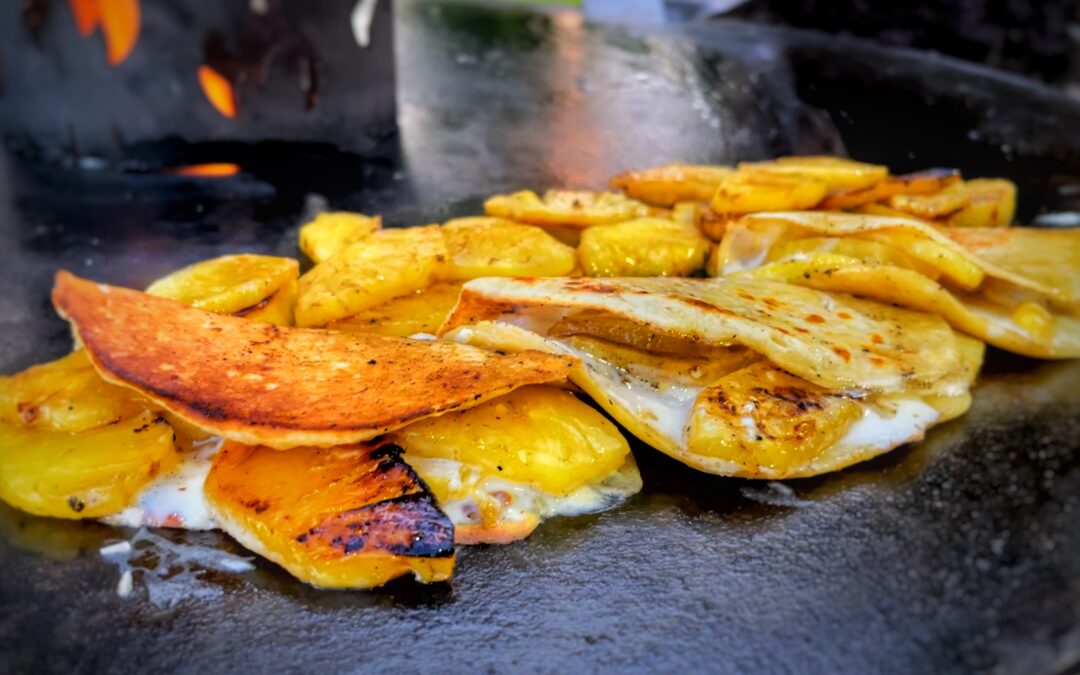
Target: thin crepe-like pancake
(833, 340)
(1016, 288)
(738, 392)
(282, 387)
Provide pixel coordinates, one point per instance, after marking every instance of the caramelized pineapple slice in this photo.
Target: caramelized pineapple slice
(538, 435)
(277, 309)
(665, 185)
(73, 445)
(761, 416)
(420, 312)
(991, 203)
(834, 172)
(85, 474)
(567, 208)
(493, 247)
(344, 517)
(382, 266)
(883, 210)
(687, 212)
(983, 202)
(65, 395)
(615, 329)
(332, 231)
(710, 223)
(647, 247)
(858, 249)
(920, 183)
(228, 284)
(745, 192)
(938, 205)
(955, 267)
(701, 366)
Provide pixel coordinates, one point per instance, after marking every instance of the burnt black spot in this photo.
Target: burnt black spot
(76, 504)
(387, 450)
(372, 362)
(256, 505)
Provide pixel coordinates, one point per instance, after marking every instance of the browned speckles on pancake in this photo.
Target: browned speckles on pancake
(798, 330)
(585, 284)
(353, 516)
(282, 387)
(703, 305)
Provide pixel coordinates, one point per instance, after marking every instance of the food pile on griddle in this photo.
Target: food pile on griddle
(447, 384)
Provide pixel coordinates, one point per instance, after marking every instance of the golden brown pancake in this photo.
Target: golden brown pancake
(736, 377)
(282, 387)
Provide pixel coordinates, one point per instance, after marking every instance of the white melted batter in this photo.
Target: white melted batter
(175, 499)
(518, 501)
(874, 430)
(664, 403)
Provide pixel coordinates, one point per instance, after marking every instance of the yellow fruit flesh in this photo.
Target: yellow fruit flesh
(65, 395)
(344, 517)
(937, 205)
(671, 183)
(761, 416)
(87, 474)
(227, 284)
(991, 203)
(74, 446)
(568, 208)
(277, 309)
(332, 231)
(701, 369)
(858, 249)
(741, 193)
(618, 330)
(538, 435)
(420, 312)
(953, 266)
(367, 273)
(647, 247)
(834, 172)
(493, 247)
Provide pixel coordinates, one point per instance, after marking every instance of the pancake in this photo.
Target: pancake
(1016, 288)
(282, 387)
(744, 378)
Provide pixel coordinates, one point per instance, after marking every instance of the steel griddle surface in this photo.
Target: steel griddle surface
(956, 554)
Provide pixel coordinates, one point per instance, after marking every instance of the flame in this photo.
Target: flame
(120, 22)
(212, 170)
(87, 15)
(218, 91)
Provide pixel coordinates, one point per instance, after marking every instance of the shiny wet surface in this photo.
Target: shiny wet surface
(956, 554)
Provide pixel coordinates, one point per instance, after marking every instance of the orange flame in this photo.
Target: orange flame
(212, 170)
(120, 22)
(87, 15)
(218, 91)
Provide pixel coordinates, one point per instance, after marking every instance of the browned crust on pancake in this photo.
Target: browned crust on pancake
(282, 387)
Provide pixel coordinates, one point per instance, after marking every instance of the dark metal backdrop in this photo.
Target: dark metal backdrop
(957, 554)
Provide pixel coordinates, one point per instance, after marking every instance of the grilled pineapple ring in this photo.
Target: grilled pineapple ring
(74, 446)
(228, 284)
(352, 516)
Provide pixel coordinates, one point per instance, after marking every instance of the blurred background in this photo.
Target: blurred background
(1038, 39)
